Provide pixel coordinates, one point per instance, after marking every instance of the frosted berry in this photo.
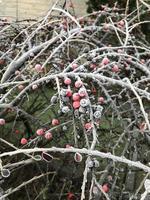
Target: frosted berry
(34, 87)
(2, 122)
(68, 146)
(20, 87)
(115, 68)
(78, 84)
(84, 102)
(121, 23)
(55, 122)
(88, 126)
(76, 104)
(74, 65)
(38, 68)
(65, 109)
(105, 61)
(48, 135)
(24, 141)
(68, 93)
(82, 92)
(105, 188)
(67, 81)
(40, 132)
(75, 97)
(101, 100)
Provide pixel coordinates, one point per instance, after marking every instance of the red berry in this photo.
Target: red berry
(67, 81)
(105, 188)
(38, 68)
(24, 141)
(78, 84)
(68, 146)
(115, 68)
(48, 135)
(70, 196)
(17, 131)
(55, 122)
(76, 97)
(2, 61)
(88, 126)
(105, 61)
(121, 23)
(40, 132)
(20, 87)
(74, 65)
(93, 90)
(82, 92)
(68, 93)
(93, 66)
(2, 122)
(76, 104)
(101, 100)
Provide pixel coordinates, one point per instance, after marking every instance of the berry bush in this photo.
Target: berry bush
(75, 106)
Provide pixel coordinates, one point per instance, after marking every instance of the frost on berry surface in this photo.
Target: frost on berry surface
(75, 93)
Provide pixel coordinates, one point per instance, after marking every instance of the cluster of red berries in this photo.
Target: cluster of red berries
(41, 132)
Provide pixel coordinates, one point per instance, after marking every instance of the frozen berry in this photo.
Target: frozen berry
(38, 68)
(48, 135)
(105, 61)
(2, 122)
(105, 188)
(40, 132)
(68, 93)
(78, 84)
(115, 68)
(67, 81)
(24, 141)
(76, 104)
(101, 100)
(55, 122)
(76, 97)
